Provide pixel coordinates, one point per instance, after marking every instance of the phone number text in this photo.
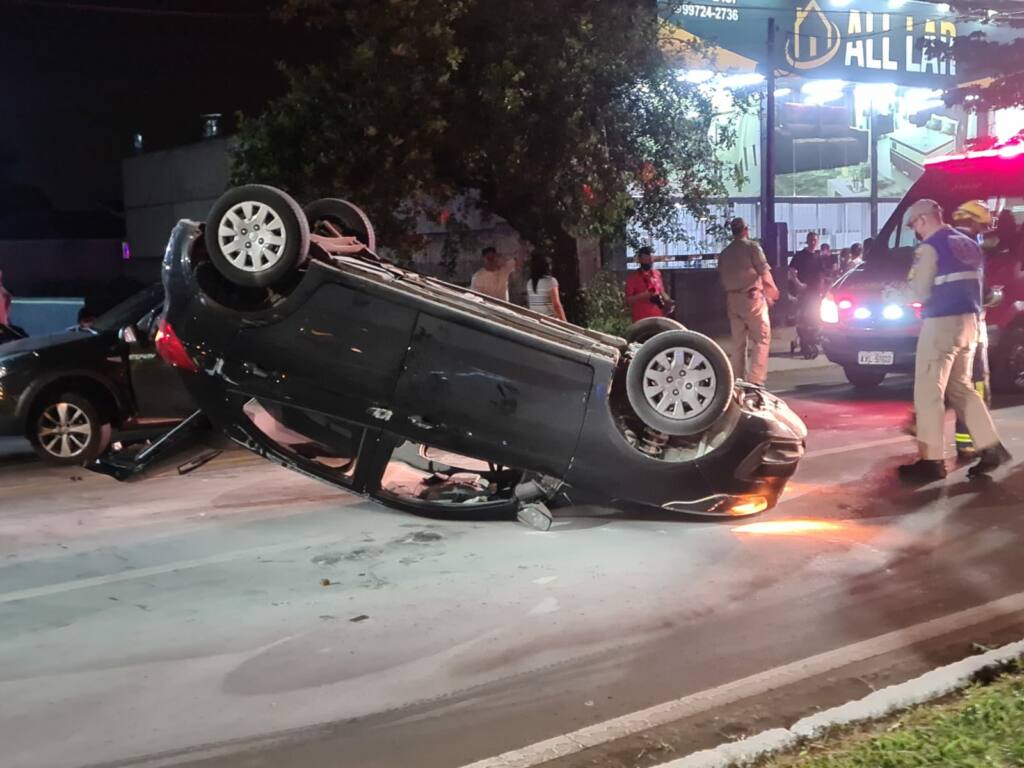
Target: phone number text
(709, 12)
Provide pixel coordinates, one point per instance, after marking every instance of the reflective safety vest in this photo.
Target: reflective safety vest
(958, 279)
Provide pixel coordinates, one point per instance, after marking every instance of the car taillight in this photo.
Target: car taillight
(916, 306)
(829, 310)
(170, 348)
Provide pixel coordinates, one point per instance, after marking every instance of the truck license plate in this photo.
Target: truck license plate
(875, 358)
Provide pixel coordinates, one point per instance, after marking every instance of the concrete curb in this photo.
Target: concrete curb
(928, 687)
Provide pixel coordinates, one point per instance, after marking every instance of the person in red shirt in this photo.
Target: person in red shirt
(645, 292)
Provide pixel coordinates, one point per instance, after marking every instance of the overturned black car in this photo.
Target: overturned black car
(306, 347)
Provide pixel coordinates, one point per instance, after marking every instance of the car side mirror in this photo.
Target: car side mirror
(128, 335)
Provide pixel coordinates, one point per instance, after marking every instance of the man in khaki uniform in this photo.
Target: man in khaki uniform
(749, 291)
(947, 279)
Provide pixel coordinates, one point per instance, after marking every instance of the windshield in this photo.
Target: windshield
(1000, 188)
(130, 310)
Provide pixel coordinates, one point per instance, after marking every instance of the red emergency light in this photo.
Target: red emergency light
(1011, 149)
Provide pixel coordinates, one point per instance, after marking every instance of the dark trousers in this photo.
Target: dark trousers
(980, 379)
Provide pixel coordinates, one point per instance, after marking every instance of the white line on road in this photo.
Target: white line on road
(155, 570)
(762, 682)
(817, 454)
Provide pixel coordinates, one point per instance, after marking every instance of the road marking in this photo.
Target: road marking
(545, 606)
(155, 570)
(753, 685)
(819, 453)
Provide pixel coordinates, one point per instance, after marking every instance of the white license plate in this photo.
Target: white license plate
(875, 358)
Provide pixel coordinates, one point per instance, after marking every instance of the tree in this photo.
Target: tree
(995, 53)
(563, 117)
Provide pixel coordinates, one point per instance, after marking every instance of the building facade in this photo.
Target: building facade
(858, 109)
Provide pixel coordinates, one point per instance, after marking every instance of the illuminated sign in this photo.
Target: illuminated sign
(866, 40)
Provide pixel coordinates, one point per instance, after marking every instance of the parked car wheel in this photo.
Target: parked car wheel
(1008, 367)
(344, 217)
(642, 330)
(863, 378)
(679, 382)
(256, 235)
(68, 429)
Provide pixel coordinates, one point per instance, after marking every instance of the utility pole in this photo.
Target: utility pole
(873, 143)
(768, 235)
(774, 248)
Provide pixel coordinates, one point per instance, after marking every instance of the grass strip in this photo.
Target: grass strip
(983, 727)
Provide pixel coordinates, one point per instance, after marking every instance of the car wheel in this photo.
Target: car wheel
(68, 430)
(331, 216)
(1008, 372)
(863, 378)
(679, 382)
(256, 235)
(642, 330)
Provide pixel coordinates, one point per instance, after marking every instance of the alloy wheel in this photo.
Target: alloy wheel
(65, 430)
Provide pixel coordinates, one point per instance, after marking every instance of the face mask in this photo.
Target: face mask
(646, 267)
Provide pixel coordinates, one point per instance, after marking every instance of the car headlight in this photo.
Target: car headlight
(8, 363)
(892, 312)
(829, 310)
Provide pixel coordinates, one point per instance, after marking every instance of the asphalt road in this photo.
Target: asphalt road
(182, 620)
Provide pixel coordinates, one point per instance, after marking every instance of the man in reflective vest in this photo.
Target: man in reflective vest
(947, 279)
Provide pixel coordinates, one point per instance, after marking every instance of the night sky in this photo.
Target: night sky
(79, 80)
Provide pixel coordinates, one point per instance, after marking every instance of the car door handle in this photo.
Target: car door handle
(419, 421)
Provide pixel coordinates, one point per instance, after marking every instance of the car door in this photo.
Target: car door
(157, 388)
(472, 387)
(339, 352)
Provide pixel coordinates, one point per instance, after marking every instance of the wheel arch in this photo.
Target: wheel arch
(109, 404)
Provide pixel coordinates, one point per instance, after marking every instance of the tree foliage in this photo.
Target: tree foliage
(563, 117)
(996, 50)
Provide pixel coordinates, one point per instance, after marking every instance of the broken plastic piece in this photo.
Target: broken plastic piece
(536, 515)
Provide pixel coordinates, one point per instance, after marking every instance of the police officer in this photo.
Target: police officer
(749, 290)
(947, 279)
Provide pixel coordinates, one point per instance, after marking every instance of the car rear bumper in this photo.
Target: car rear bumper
(843, 348)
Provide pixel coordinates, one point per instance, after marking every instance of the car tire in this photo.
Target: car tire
(348, 218)
(241, 252)
(664, 363)
(1008, 363)
(68, 430)
(863, 378)
(649, 327)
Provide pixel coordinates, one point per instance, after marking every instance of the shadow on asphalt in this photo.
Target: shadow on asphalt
(973, 559)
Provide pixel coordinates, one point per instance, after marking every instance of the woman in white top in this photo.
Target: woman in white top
(542, 289)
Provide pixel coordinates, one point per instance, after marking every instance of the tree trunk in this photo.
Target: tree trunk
(565, 264)
(547, 236)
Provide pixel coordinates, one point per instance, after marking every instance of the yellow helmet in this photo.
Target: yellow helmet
(973, 212)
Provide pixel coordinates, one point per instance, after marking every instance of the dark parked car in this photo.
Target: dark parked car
(67, 391)
(10, 333)
(309, 349)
